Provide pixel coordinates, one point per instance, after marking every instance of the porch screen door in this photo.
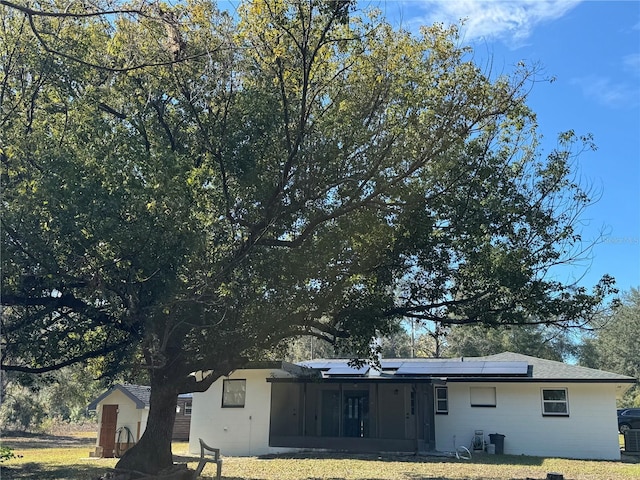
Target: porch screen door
(356, 414)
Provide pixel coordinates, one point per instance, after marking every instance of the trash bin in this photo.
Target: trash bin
(498, 440)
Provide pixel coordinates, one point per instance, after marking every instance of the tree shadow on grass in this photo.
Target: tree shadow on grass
(27, 440)
(417, 477)
(44, 471)
(481, 459)
(186, 458)
(420, 477)
(34, 470)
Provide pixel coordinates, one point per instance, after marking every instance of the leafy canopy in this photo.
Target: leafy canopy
(184, 189)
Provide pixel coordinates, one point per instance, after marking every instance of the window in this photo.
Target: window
(442, 400)
(187, 408)
(233, 393)
(555, 401)
(483, 396)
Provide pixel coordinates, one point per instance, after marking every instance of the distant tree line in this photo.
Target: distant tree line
(609, 342)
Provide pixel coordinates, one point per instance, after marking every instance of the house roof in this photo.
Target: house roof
(549, 370)
(139, 394)
(503, 367)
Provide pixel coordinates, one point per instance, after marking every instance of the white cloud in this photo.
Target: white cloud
(632, 63)
(508, 20)
(619, 93)
(607, 92)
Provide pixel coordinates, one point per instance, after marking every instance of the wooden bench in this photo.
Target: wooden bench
(209, 451)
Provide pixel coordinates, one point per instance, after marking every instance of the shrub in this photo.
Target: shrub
(6, 453)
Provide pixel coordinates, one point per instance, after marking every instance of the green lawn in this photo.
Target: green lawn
(74, 463)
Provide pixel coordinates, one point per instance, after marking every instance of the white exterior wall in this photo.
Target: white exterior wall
(590, 431)
(236, 431)
(144, 416)
(128, 414)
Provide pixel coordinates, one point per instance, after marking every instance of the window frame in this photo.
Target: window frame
(188, 407)
(545, 402)
(225, 392)
(437, 400)
(483, 405)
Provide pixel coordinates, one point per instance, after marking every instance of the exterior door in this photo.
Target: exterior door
(356, 414)
(426, 412)
(410, 399)
(108, 429)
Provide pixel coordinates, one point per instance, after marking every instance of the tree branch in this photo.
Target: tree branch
(40, 13)
(31, 13)
(86, 356)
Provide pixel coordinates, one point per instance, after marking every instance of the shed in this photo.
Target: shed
(122, 413)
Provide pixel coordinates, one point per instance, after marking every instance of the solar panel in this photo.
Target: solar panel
(391, 364)
(422, 367)
(458, 368)
(505, 368)
(348, 371)
(319, 364)
(438, 368)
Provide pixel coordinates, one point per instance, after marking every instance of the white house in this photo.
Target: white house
(122, 413)
(527, 405)
(235, 412)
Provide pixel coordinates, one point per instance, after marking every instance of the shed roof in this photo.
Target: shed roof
(139, 394)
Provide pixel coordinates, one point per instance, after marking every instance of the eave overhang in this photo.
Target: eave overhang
(358, 380)
(442, 380)
(538, 380)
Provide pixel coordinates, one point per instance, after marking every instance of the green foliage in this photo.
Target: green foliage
(396, 345)
(244, 191)
(615, 343)
(6, 453)
(37, 403)
(22, 410)
(535, 340)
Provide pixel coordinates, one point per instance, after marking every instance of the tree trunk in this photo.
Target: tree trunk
(153, 452)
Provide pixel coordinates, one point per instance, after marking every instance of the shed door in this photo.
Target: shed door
(108, 429)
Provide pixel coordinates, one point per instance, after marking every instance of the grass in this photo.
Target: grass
(73, 462)
(502, 468)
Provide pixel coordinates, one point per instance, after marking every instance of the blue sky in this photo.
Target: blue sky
(592, 48)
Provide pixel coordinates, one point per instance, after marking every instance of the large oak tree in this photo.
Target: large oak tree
(184, 189)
